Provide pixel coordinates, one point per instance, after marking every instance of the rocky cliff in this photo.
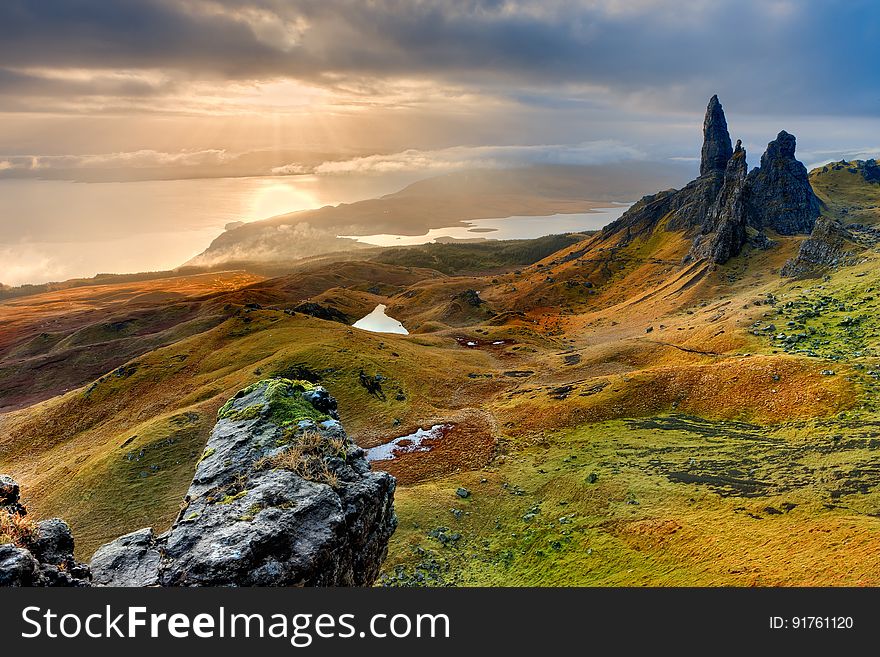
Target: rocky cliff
(715, 208)
(780, 196)
(716, 149)
(35, 554)
(724, 231)
(281, 497)
(830, 245)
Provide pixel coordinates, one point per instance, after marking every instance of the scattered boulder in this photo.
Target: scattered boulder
(17, 566)
(132, 559)
(470, 297)
(35, 554)
(9, 495)
(281, 497)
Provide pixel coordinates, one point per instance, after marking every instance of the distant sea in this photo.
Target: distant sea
(54, 230)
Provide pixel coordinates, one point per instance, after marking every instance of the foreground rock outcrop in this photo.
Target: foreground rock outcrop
(281, 497)
(35, 554)
(829, 246)
(716, 209)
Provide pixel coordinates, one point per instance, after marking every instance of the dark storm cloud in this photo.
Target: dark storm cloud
(812, 56)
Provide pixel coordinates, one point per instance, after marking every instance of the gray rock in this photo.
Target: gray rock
(716, 140)
(130, 560)
(463, 493)
(830, 245)
(250, 521)
(9, 496)
(724, 231)
(17, 566)
(715, 209)
(44, 558)
(779, 192)
(685, 209)
(53, 543)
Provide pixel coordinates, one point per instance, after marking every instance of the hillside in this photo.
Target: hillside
(653, 404)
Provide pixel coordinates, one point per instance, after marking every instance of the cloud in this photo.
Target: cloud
(649, 54)
(145, 158)
(473, 157)
(24, 263)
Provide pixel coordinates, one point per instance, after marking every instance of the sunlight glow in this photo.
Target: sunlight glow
(274, 198)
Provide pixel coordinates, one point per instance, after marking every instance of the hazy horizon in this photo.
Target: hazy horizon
(344, 95)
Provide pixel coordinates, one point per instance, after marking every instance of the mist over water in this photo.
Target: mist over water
(53, 230)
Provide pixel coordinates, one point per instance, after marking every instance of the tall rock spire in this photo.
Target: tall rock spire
(717, 149)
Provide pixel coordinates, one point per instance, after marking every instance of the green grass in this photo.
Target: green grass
(846, 194)
(135, 479)
(455, 259)
(611, 504)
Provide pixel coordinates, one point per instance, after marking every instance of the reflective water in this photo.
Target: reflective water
(378, 322)
(406, 444)
(507, 228)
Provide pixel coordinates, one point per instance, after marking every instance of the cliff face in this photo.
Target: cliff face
(715, 208)
(780, 196)
(724, 231)
(830, 245)
(281, 497)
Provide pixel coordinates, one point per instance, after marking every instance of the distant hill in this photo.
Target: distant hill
(439, 202)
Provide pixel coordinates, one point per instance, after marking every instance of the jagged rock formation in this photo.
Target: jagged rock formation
(830, 245)
(281, 497)
(871, 171)
(780, 196)
(716, 208)
(724, 231)
(716, 149)
(38, 554)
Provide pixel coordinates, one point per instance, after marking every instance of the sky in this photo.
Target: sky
(203, 87)
(127, 90)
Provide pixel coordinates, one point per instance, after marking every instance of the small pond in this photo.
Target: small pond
(378, 322)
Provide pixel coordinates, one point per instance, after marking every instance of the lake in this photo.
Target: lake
(508, 228)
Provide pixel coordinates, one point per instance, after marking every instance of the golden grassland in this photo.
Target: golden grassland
(621, 418)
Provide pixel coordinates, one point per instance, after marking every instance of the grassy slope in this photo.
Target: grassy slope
(845, 193)
(695, 429)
